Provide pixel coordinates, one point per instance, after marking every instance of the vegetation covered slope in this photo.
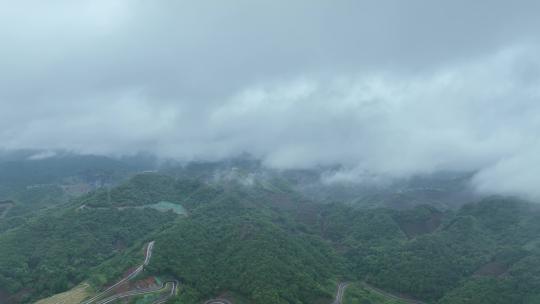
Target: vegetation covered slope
(55, 251)
(487, 247)
(231, 245)
(267, 244)
(146, 189)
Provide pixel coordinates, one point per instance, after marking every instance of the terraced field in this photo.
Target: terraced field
(75, 295)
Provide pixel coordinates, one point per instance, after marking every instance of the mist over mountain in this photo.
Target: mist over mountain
(447, 190)
(385, 89)
(269, 152)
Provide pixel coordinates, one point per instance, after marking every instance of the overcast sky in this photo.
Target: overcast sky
(391, 88)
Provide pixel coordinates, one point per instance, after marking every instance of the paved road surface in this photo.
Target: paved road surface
(139, 292)
(148, 253)
(135, 272)
(218, 301)
(340, 292)
(171, 294)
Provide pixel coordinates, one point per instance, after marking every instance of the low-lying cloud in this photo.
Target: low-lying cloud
(382, 88)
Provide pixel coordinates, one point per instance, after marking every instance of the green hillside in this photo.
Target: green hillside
(266, 243)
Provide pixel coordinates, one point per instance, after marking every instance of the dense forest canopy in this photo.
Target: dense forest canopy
(268, 243)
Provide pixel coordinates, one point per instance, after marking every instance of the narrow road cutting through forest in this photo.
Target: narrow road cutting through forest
(340, 292)
(98, 299)
(138, 292)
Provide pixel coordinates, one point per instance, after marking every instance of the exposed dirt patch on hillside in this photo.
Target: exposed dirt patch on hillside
(17, 298)
(492, 269)
(413, 229)
(4, 297)
(145, 283)
(75, 295)
(119, 245)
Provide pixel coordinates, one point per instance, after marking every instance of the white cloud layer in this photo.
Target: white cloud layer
(383, 88)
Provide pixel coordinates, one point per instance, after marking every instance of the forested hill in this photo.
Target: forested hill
(265, 243)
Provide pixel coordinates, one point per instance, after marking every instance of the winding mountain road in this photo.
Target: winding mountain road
(138, 292)
(173, 292)
(148, 255)
(149, 249)
(340, 292)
